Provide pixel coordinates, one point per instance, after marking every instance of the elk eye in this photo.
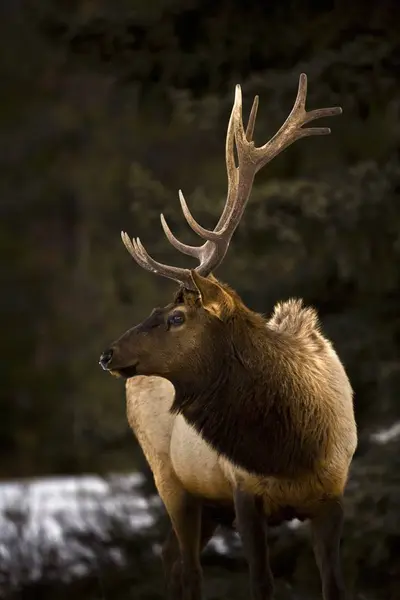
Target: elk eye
(177, 318)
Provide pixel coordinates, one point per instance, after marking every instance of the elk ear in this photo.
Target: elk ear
(212, 295)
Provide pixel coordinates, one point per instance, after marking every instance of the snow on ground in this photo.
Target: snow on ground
(44, 524)
(390, 434)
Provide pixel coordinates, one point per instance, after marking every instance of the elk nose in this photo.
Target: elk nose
(105, 358)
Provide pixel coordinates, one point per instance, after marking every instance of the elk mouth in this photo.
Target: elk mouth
(125, 372)
(106, 363)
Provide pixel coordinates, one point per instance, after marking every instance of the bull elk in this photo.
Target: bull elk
(238, 416)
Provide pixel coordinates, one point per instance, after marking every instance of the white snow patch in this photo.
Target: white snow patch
(386, 435)
(295, 524)
(49, 517)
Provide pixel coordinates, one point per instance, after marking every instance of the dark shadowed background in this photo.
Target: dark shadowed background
(107, 109)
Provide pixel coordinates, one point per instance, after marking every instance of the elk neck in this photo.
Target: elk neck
(246, 404)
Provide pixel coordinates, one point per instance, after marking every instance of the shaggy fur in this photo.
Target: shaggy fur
(264, 398)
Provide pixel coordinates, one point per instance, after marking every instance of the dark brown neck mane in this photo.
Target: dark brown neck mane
(247, 404)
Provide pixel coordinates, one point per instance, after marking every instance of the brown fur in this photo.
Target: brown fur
(263, 393)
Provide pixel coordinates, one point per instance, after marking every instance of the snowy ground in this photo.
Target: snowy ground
(58, 525)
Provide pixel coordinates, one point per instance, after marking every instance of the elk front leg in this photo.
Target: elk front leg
(326, 529)
(171, 554)
(185, 513)
(252, 527)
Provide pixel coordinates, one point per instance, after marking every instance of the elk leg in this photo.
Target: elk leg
(171, 554)
(326, 529)
(171, 558)
(184, 511)
(252, 527)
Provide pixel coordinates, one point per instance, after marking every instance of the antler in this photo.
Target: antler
(240, 181)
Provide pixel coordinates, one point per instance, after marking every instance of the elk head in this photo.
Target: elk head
(189, 338)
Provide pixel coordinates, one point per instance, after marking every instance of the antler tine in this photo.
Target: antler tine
(184, 248)
(252, 120)
(203, 233)
(144, 260)
(134, 251)
(240, 180)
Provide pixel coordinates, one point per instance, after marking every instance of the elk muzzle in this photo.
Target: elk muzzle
(112, 361)
(106, 358)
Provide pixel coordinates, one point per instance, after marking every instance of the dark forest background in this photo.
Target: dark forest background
(106, 110)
